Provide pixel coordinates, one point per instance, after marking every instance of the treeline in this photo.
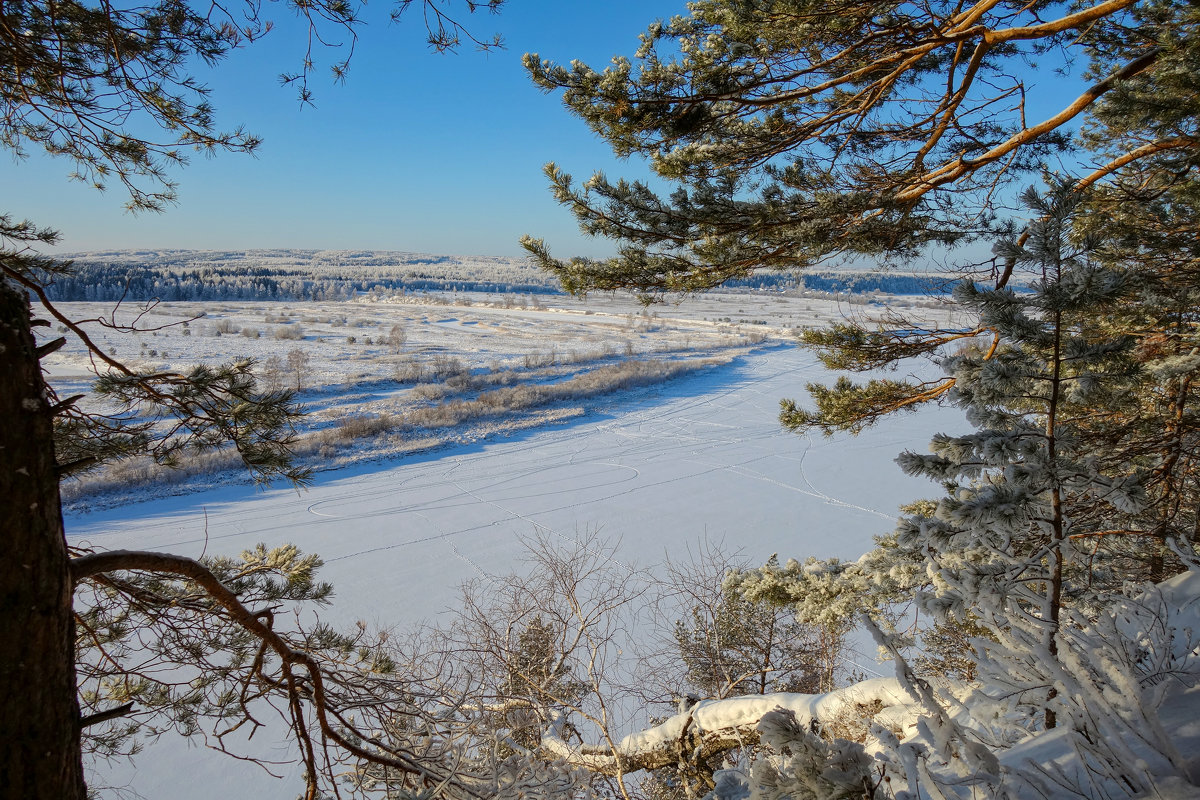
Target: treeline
(110, 282)
(846, 282)
(296, 275)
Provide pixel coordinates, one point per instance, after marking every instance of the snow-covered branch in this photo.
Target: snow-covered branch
(715, 726)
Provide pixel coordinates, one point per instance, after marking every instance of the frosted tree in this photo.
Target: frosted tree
(1077, 366)
(745, 647)
(791, 132)
(298, 363)
(1049, 507)
(396, 338)
(1025, 486)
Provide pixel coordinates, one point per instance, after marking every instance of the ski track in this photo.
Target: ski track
(701, 457)
(723, 435)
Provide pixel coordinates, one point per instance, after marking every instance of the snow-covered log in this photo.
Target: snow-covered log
(714, 726)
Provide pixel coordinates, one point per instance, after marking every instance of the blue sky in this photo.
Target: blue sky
(416, 151)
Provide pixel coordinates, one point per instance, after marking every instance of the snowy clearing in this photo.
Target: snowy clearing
(702, 457)
(391, 376)
(699, 458)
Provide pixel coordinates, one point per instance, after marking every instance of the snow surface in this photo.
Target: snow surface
(353, 373)
(661, 470)
(703, 458)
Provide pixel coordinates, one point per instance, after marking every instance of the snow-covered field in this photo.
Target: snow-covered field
(398, 375)
(699, 458)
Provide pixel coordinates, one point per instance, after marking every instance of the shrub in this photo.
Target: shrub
(284, 332)
(359, 426)
(443, 367)
(408, 371)
(429, 391)
(460, 383)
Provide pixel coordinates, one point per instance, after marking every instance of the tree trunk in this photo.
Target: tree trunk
(1057, 527)
(39, 712)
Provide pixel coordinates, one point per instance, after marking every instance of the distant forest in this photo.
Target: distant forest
(190, 275)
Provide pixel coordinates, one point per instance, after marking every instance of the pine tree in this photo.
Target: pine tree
(1123, 376)
(1047, 519)
(109, 88)
(752, 647)
(793, 130)
(1024, 486)
(538, 679)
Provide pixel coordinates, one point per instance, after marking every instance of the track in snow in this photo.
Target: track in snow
(704, 458)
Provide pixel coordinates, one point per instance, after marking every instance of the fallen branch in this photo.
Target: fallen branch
(715, 726)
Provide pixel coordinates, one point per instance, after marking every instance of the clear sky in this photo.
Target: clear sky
(416, 151)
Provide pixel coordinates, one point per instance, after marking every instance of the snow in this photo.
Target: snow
(353, 373)
(704, 457)
(733, 717)
(736, 712)
(660, 470)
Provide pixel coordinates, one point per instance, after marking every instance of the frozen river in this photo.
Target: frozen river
(703, 457)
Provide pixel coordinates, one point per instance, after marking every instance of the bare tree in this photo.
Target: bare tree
(561, 662)
(208, 647)
(298, 363)
(548, 646)
(396, 338)
(272, 373)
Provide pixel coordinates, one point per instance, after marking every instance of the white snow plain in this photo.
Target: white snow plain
(700, 458)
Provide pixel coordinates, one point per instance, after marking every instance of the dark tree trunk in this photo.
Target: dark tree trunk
(39, 712)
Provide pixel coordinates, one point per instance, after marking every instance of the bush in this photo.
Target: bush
(359, 426)
(443, 367)
(459, 383)
(285, 332)
(408, 371)
(429, 391)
